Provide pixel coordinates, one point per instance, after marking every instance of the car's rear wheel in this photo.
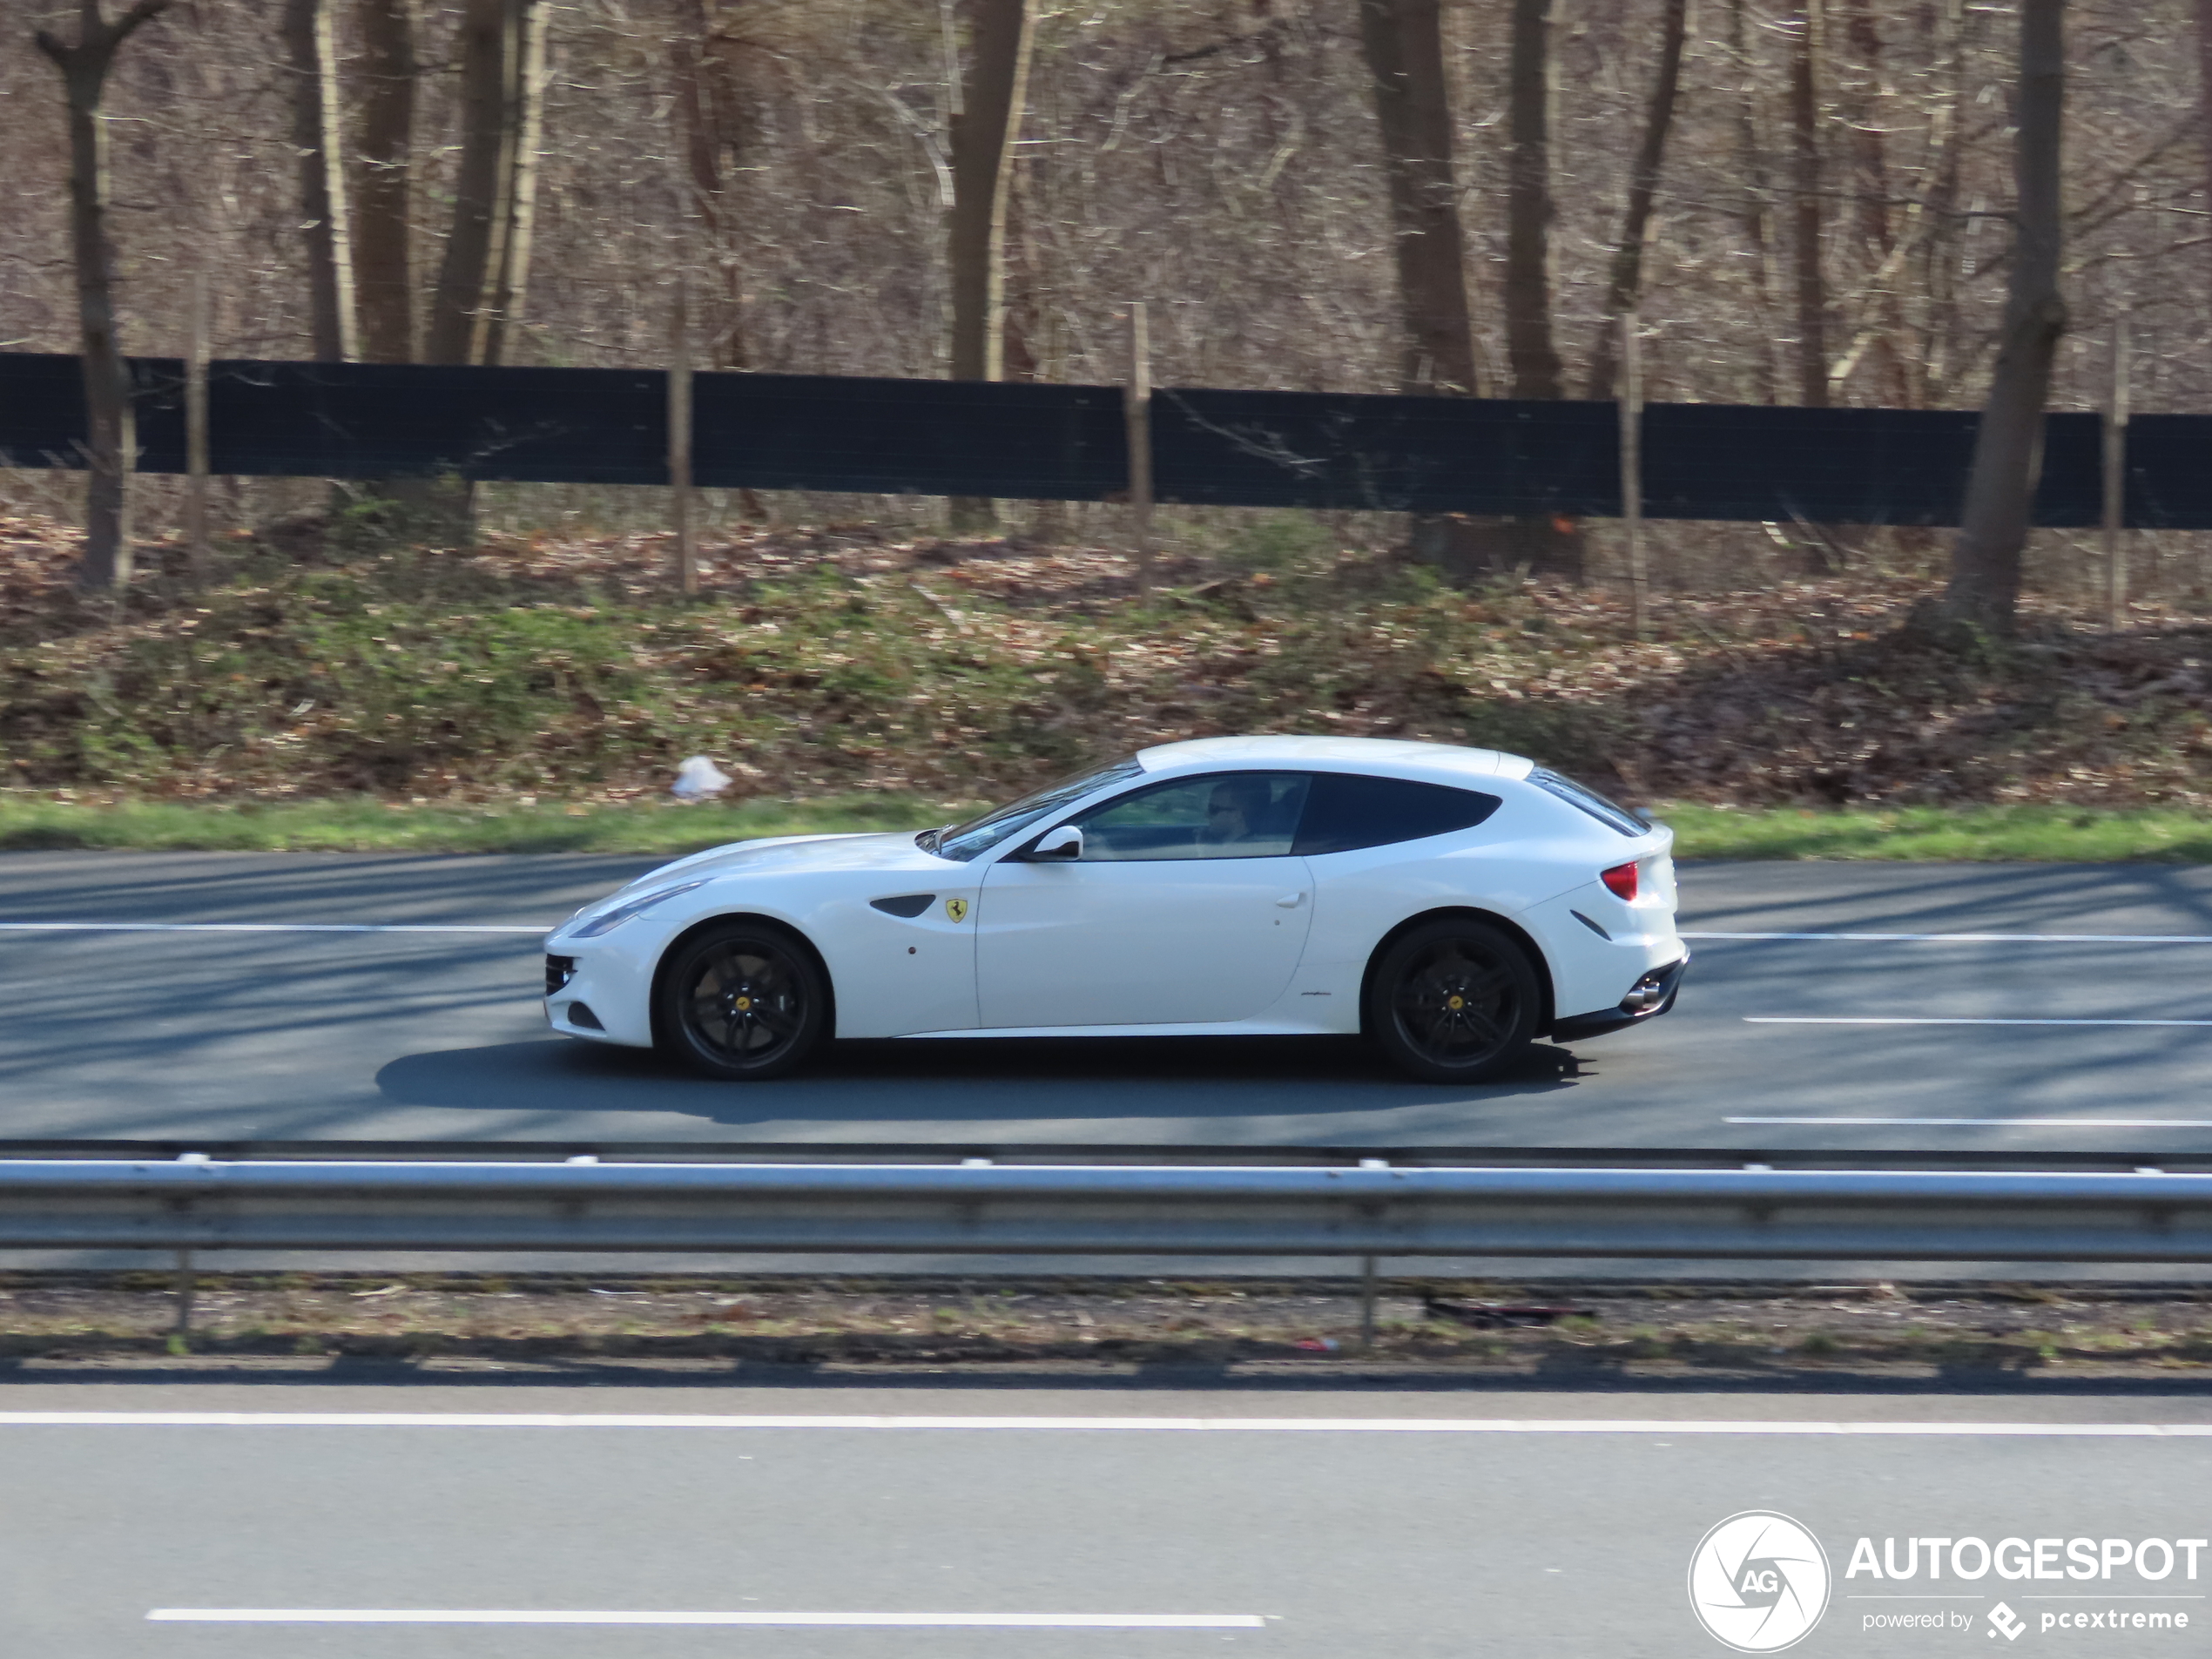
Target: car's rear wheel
(1454, 1000)
(743, 1001)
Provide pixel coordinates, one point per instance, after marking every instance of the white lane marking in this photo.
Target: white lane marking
(1983, 939)
(1115, 1425)
(1917, 1019)
(1984, 1123)
(255, 927)
(497, 1615)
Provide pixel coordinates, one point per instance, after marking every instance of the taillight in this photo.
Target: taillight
(1621, 881)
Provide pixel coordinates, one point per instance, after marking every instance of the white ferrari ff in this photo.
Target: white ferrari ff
(1453, 904)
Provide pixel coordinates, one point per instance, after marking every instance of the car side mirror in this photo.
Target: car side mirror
(1064, 844)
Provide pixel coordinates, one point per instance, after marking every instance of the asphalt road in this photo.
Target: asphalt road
(194, 1521)
(437, 1035)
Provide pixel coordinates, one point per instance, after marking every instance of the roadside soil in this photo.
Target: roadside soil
(1476, 1329)
(828, 660)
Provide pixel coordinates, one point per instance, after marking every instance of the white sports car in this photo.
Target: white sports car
(1453, 904)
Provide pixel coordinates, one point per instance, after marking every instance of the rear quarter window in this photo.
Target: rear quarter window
(1610, 813)
(1346, 812)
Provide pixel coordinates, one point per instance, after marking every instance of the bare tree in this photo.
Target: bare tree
(1528, 204)
(2000, 489)
(1625, 283)
(112, 436)
(491, 210)
(2204, 88)
(316, 108)
(384, 240)
(1546, 544)
(1403, 40)
(1875, 227)
(986, 120)
(523, 91)
(708, 109)
(1756, 215)
(1808, 216)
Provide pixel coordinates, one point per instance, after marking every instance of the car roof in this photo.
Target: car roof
(1391, 757)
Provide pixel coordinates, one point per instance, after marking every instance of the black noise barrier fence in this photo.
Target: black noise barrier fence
(1227, 448)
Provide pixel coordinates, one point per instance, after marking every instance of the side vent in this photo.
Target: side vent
(906, 905)
(1587, 923)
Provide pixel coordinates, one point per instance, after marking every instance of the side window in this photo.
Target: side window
(1222, 815)
(1346, 812)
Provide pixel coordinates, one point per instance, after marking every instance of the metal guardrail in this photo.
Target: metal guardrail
(1375, 1210)
(1101, 1153)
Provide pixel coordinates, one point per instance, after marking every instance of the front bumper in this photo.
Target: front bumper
(1652, 995)
(597, 993)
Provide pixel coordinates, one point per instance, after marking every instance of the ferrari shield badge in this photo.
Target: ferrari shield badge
(956, 909)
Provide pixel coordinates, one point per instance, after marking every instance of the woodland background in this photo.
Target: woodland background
(1829, 223)
(1832, 222)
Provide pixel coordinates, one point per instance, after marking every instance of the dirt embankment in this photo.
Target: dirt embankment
(843, 658)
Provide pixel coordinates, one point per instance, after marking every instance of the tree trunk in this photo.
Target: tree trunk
(460, 313)
(1404, 44)
(319, 148)
(1403, 41)
(1544, 543)
(1812, 288)
(383, 242)
(1528, 205)
(706, 100)
(1757, 213)
(465, 310)
(1624, 287)
(1876, 227)
(2204, 88)
(525, 93)
(2000, 489)
(985, 123)
(112, 438)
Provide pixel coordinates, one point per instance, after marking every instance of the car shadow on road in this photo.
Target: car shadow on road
(922, 1083)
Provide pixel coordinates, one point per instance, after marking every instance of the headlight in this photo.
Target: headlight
(608, 921)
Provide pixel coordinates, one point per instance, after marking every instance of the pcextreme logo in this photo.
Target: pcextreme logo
(1758, 1581)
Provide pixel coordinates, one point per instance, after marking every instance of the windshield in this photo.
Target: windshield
(964, 841)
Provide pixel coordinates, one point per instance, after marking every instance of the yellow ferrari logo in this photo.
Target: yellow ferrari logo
(956, 909)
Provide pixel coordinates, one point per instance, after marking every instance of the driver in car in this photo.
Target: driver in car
(1235, 806)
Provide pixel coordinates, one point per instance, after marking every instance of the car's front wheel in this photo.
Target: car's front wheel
(1454, 1000)
(743, 1001)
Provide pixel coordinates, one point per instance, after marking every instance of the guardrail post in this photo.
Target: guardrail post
(2115, 481)
(680, 440)
(196, 437)
(1137, 406)
(1366, 1304)
(1632, 474)
(184, 1294)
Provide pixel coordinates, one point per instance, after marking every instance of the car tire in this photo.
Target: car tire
(743, 1001)
(1454, 1000)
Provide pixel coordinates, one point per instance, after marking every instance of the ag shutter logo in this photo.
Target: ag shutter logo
(1758, 1581)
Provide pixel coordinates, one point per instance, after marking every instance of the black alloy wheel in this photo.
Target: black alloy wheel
(743, 1001)
(1453, 1001)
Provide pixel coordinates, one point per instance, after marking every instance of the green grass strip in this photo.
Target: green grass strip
(27, 822)
(2017, 834)
(365, 825)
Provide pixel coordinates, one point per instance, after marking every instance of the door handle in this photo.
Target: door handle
(1291, 900)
